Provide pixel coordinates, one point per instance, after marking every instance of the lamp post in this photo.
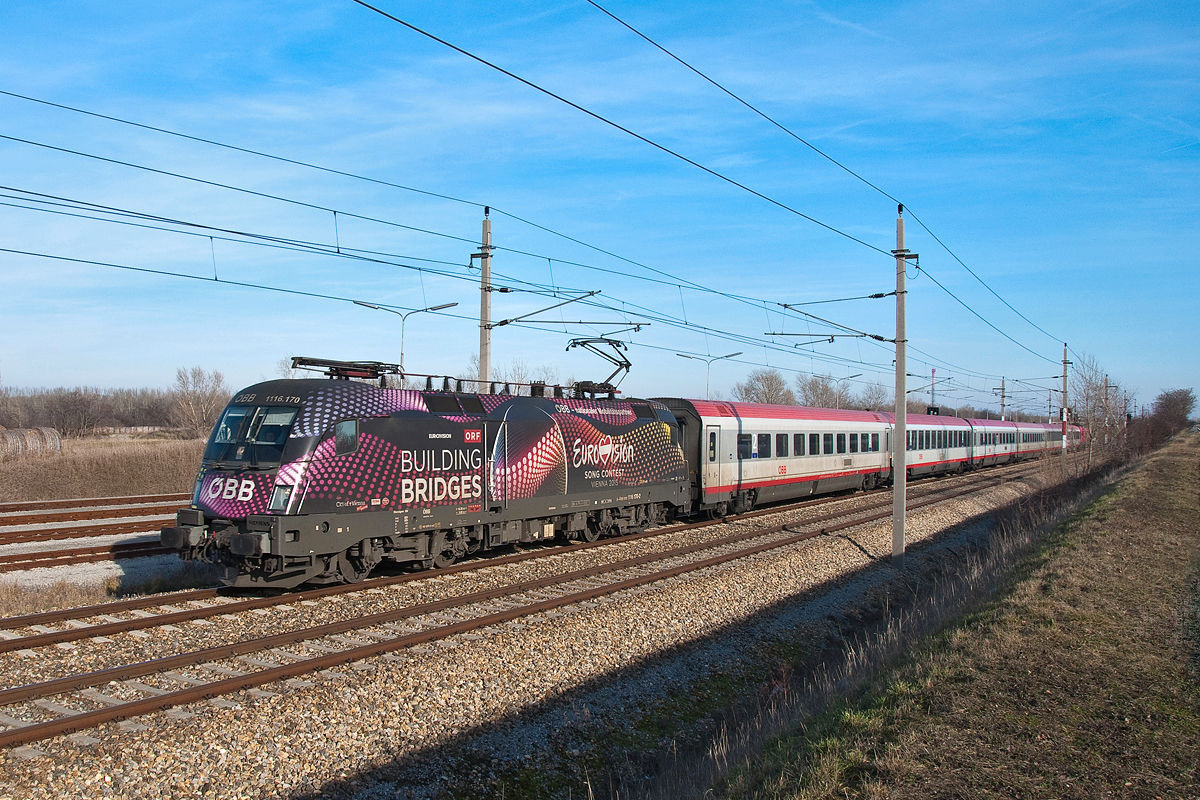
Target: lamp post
(403, 318)
(837, 396)
(708, 369)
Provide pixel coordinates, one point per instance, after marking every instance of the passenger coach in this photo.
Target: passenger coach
(741, 454)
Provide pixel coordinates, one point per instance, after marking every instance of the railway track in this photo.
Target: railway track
(145, 515)
(78, 615)
(235, 666)
(93, 502)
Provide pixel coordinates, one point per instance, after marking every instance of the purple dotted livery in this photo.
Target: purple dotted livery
(319, 481)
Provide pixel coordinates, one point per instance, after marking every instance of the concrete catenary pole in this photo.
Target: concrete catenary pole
(485, 305)
(1065, 405)
(900, 434)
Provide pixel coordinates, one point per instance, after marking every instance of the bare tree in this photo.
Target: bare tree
(818, 391)
(874, 398)
(764, 386)
(285, 370)
(1174, 407)
(199, 397)
(75, 412)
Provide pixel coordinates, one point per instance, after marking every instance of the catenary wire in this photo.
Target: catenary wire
(824, 155)
(690, 283)
(622, 128)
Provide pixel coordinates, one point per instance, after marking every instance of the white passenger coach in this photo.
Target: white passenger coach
(743, 454)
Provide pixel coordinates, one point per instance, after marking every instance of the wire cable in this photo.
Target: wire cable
(621, 128)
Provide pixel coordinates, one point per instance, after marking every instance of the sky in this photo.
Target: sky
(1047, 156)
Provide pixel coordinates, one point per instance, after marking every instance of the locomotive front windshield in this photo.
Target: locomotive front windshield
(250, 435)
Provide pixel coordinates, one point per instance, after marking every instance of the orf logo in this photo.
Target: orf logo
(604, 449)
(473, 437)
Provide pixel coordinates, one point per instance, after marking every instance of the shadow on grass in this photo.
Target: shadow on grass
(684, 715)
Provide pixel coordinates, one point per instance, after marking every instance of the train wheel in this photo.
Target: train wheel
(444, 559)
(589, 533)
(349, 568)
(718, 511)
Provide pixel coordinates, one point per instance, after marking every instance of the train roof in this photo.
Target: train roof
(722, 408)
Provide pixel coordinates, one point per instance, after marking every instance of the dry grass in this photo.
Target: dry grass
(17, 600)
(1080, 681)
(103, 468)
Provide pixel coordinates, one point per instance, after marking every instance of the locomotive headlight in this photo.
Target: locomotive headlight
(279, 498)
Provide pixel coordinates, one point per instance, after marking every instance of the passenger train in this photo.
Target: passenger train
(319, 480)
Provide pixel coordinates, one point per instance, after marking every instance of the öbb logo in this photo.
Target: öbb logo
(473, 437)
(231, 489)
(604, 452)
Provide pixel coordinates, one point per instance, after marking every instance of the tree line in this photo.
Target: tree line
(189, 408)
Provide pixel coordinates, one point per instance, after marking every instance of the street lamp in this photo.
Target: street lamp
(708, 370)
(403, 318)
(837, 396)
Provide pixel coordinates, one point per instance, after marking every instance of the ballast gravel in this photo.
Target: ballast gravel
(398, 725)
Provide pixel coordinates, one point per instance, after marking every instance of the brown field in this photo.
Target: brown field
(1078, 679)
(103, 468)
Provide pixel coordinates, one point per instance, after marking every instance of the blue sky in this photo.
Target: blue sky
(1053, 148)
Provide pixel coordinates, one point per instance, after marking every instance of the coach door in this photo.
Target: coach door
(710, 453)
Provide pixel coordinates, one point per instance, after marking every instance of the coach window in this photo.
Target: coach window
(874, 442)
(814, 444)
(781, 445)
(345, 435)
(712, 445)
(798, 444)
(745, 444)
(764, 445)
(854, 443)
(841, 441)
(828, 449)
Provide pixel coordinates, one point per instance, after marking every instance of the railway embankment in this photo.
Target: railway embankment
(607, 692)
(1077, 676)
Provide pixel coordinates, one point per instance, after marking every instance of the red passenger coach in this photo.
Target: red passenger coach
(741, 454)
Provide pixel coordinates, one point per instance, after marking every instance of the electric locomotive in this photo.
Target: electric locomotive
(318, 480)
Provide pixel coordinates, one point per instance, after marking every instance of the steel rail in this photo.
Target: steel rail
(89, 719)
(79, 515)
(80, 555)
(83, 532)
(83, 502)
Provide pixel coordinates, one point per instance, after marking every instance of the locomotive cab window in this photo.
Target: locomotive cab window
(345, 435)
(643, 411)
(251, 434)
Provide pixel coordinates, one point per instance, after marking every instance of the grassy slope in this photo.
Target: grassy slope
(1079, 681)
